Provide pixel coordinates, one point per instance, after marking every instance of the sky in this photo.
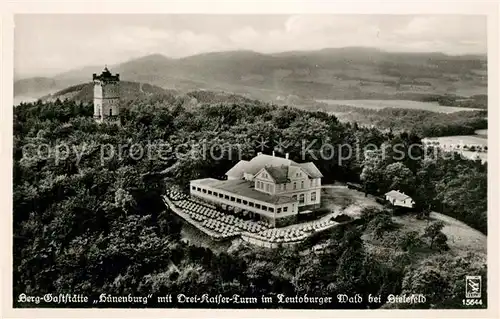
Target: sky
(49, 44)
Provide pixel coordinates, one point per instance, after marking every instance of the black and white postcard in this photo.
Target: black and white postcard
(251, 160)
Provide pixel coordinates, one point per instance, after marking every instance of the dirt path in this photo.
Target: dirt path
(333, 186)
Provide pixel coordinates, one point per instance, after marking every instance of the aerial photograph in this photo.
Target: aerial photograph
(237, 161)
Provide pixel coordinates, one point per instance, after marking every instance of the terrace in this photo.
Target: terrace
(220, 225)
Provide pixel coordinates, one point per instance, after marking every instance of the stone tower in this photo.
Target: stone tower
(106, 96)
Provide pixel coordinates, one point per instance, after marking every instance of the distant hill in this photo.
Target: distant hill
(40, 85)
(345, 73)
(128, 90)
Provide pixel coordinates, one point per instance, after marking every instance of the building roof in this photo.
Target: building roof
(397, 195)
(244, 188)
(237, 170)
(263, 160)
(311, 169)
(278, 173)
(205, 181)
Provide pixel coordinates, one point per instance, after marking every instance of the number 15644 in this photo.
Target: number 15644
(472, 302)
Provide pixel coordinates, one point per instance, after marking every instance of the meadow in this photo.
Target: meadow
(468, 140)
(482, 133)
(462, 139)
(405, 104)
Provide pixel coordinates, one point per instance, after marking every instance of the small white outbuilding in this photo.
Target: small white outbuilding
(397, 198)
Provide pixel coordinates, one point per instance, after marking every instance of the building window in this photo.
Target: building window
(294, 185)
(279, 210)
(193, 188)
(313, 182)
(233, 199)
(285, 209)
(110, 112)
(245, 202)
(313, 196)
(302, 184)
(268, 187)
(220, 195)
(294, 197)
(209, 192)
(283, 187)
(270, 209)
(251, 204)
(238, 200)
(257, 205)
(226, 196)
(204, 190)
(301, 199)
(198, 189)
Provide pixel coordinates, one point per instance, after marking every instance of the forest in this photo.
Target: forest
(421, 122)
(87, 223)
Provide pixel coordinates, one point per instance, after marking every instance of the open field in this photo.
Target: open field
(482, 133)
(461, 238)
(461, 139)
(481, 139)
(405, 104)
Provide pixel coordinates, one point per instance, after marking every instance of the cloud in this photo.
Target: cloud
(449, 34)
(309, 33)
(455, 35)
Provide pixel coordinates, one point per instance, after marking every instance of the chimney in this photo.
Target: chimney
(286, 155)
(273, 153)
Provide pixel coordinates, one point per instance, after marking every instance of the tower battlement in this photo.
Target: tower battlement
(106, 76)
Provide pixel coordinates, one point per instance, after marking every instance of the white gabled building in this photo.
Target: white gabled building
(397, 198)
(268, 187)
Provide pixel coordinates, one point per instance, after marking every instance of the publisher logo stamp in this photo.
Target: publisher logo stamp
(473, 287)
